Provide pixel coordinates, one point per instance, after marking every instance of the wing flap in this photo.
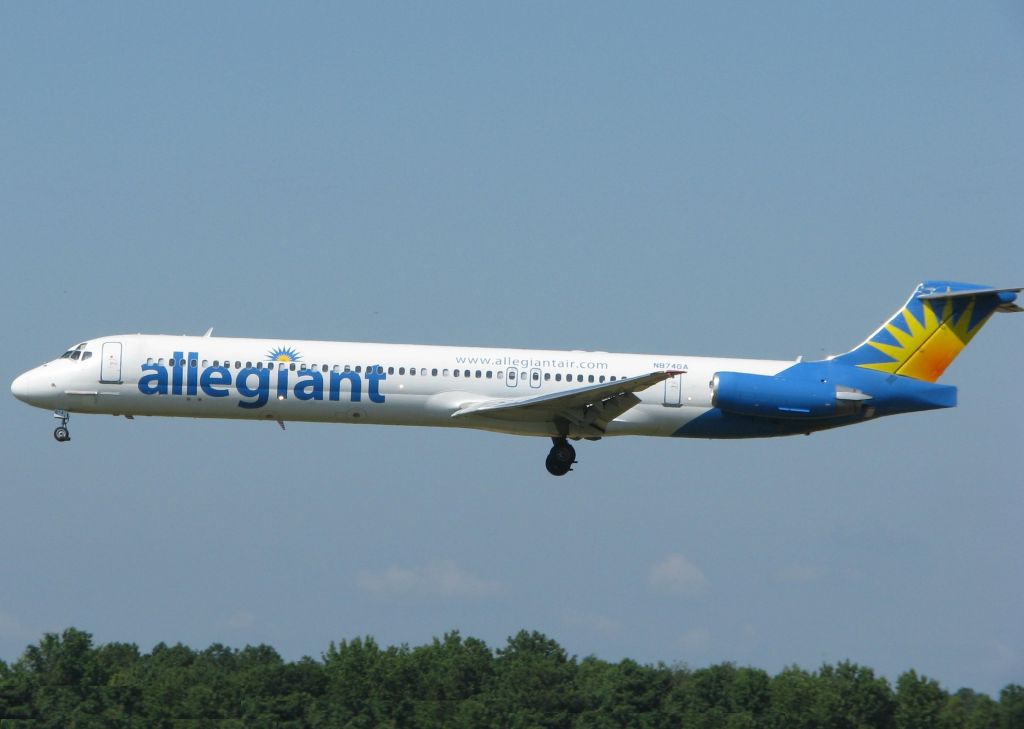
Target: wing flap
(591, 407)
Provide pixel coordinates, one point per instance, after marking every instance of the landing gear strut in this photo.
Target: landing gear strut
(560, 458)
(61, 433)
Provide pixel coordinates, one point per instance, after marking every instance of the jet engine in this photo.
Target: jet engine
(776, 396)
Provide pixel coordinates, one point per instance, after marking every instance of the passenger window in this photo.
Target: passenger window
(193, 363)
(455, 373)
(490, 374)
(270, 365)
(444, 372)
(602, 378)
(391, 370)
(247, 364)
(161, 360)
(238, 365)
(149, 360)
(558, 377)
(579, 378)
(359, 368)
(259, 365)
(590, 378)
(500, 374)
(433, 372)
(206, 363)
(423, 372)
(479, 374)
(292, 367)
(536, 376)
(547, 376)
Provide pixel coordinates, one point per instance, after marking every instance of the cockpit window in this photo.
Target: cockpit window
(75, 352)
(86, 355)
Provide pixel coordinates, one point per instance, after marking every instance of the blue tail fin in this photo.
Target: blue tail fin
(924, 337)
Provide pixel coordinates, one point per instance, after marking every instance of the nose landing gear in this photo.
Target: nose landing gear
(560, 458)
(61, 433)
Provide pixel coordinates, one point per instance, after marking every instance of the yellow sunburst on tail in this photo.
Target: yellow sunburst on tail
(928, 347)
(924, 337)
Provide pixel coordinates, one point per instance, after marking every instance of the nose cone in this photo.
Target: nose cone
(33, 388)
(20, 388)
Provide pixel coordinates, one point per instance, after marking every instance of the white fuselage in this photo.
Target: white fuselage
(354, 382)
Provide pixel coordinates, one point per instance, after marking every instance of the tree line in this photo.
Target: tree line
(67, 681)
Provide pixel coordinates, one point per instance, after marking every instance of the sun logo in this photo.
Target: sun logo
(922, 341)
(283, 354)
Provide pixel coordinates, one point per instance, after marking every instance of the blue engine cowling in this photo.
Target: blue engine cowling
(777, 396)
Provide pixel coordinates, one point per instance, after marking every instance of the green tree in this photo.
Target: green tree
(793, 694)
(65, 678)
(919, 701)
(625, 694)
(852, 697)
(366, 686)
(445, 675)
(533, 684)
(719, 696)
(969, 710)
(1011, 707)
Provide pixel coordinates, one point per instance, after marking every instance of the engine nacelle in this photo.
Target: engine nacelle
(770, 396)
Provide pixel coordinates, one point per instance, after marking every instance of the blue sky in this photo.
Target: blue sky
(722, 179)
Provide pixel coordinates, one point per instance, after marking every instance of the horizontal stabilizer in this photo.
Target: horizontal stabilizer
(1006, 297)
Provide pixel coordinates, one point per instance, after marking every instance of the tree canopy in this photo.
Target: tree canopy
(531, 682)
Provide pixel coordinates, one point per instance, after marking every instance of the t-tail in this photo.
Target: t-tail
(924, 337)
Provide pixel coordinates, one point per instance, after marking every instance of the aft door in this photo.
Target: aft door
(110, 362)
(674, 392)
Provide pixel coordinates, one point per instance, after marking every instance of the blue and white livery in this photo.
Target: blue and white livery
(560, 395)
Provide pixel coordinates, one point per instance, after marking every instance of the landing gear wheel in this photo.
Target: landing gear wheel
(61, 433)
(560, 458)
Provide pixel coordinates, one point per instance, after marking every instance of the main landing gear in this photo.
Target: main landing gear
(61, 433)
(560, 458)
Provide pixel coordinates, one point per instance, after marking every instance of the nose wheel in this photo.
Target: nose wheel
(560, 458)
(61, 432)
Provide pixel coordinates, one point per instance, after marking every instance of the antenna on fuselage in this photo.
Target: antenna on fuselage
(208, 332)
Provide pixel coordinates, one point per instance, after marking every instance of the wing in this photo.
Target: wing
(590, 408)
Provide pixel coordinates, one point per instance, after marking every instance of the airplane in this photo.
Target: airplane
(561, 395)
